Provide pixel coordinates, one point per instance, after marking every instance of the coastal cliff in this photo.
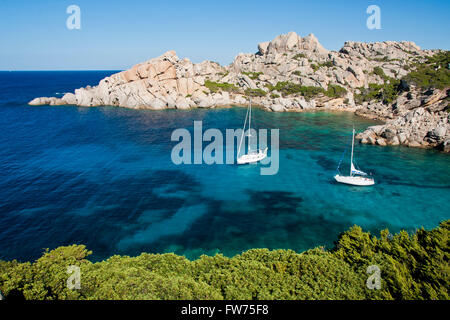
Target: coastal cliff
(392, 81)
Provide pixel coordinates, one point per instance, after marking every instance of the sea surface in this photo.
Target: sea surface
(104, 177)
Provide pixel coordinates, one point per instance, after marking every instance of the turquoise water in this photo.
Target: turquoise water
(103, 177)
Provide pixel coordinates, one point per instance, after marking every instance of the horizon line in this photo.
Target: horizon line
(56, 70)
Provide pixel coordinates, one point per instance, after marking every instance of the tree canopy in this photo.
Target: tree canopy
(412, 267)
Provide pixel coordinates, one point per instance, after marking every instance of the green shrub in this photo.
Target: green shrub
(433, 73)
(335, 91)
(412, 267)
(253, 75)
(255, 92)
(289, 88)
(328, 64)
(384, 59)
(387, 92)
(217, 87)
(379, 72)
(299, 56)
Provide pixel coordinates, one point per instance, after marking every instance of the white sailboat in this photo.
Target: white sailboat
(252, 156)
(356, 177)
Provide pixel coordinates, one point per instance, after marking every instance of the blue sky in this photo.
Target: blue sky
(117, 34)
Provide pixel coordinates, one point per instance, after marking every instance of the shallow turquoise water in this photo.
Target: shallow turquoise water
(103, 177)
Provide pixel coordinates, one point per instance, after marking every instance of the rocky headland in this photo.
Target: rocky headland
(396, 82)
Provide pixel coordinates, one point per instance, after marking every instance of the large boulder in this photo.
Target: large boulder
(262, 47)
(445, 146)
(157, 104)
(69, 98)
(277, 107)
(182, 103)
(46, 101)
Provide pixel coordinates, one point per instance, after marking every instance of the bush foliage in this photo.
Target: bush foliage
(309, 92)
(433, 73)
(289, 88)
(387, 92)
(412, 267)
(253, 75)
(299, 56)
(335, 91)
(218, 86)
(255, 92)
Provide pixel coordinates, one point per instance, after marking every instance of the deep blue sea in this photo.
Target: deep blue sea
(103, 177)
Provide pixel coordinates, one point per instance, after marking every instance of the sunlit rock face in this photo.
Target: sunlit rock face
(169, 82)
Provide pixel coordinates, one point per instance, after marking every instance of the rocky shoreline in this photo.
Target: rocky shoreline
(291, 73)
(424, 126)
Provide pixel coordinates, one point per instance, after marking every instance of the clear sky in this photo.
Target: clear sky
(117, 34)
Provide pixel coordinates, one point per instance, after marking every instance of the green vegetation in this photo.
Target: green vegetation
(217, 86)
(368, 94)
(433, 73)
(379, 72)
(253, 75)
(412, 267)
(328, 64)
(255, 92)
(309, 92)
(390, 91)
(288, 88)
(299, 56)
(386, 92)
(384, 59)
(274, 95)
(415, 266)
(335, 91)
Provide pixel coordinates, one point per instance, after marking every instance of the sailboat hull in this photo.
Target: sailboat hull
(252, 157)
(356, 177)
(355, 180)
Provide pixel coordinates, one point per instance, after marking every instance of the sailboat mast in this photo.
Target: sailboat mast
(353, 144)
(243, 133)
(250, 118)
(249, 124)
